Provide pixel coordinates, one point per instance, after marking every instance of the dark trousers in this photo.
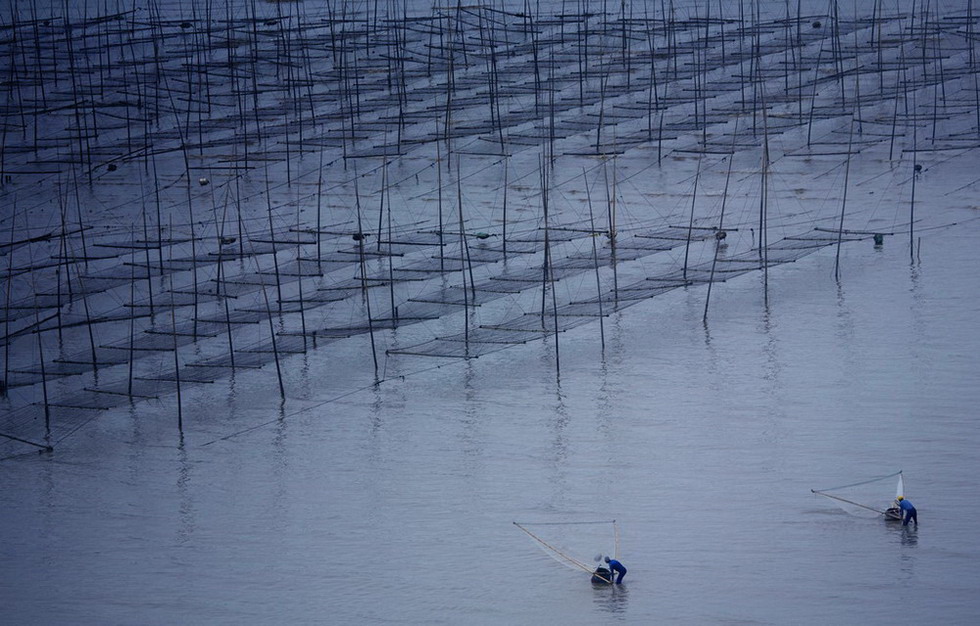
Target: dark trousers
(910, 516)
(622, 572)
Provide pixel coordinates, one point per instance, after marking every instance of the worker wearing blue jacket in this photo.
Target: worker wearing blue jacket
(618, 568)
(909, 511)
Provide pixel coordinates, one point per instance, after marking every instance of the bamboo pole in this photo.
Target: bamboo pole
(132, 322)
(504, 229)
(272, 237)
(173, 329)
(363, 265)
(463, 256)
(690, 224)
(44, 377)
(595, 259)
(548, 268)
(146, 254)
(6, 307)
(840, 226)
(221, 286)
(763, 206)
(275, 348)
(442, 256)
(721, 222)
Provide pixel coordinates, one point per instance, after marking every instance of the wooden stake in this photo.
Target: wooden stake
(364, 291)
(840, 226)
(595, 259)
(173, 329)
(721, 221)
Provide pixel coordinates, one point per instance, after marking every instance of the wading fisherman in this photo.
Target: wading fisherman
(909, 511)
(618, 568)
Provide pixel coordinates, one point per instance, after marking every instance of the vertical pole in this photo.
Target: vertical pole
(272, 237)
(463, 256)
(299, 265)
(88, 317)
(915, 175)
(173, 328)
(763, 208)
(132, 319)
(721, 221)
(319, 202)
(504, 235)
(6, 309)
(146, 253)
(466, 245)
(442, 258)
(690, 224)
(548, 267)
(272, 334)
(44, 375)
(364, 291)
(595, 259)
(391, 265)
(63, 251)
(840, 226)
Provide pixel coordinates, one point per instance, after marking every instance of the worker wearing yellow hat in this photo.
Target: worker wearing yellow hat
(908, 510)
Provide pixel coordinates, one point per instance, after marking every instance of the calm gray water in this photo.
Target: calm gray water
(394, 504)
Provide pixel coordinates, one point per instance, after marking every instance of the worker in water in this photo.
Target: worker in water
(618, 568)
(909, 511)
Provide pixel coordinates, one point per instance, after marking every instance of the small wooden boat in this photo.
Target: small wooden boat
(602, 576)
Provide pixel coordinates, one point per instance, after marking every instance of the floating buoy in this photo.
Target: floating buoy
(203, 181)
(720, 235)
(879, 239)
(185, 24)
(111, 167)
(817, 24)
(918, 167)
(358, 236)
(482, 235)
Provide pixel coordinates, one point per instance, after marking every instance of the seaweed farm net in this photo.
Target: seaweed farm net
(530, 326)
(187, 196)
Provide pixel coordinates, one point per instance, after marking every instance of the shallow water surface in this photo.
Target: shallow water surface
(394, 504)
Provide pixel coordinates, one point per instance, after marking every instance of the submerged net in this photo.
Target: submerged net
(868, 498)
(580, 546)
(527, 327)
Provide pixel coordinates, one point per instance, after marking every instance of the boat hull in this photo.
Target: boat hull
(602, 576)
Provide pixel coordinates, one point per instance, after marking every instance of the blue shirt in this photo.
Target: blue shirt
(616, 566)
(905, 505)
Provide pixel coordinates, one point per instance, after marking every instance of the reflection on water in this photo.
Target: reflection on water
(470, 426)
(910, 535)
(771, 349)
(611, 598)
(906, 535)
(559, 451)
(280, 472)
(845, 325)
(185, 529)
(908, 560)
(701, 442)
